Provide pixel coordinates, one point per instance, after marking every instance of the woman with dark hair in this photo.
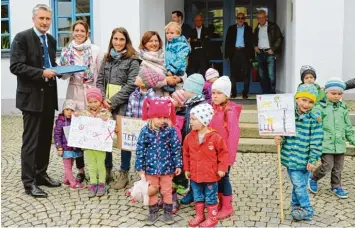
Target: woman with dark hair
(152, 55)
(80, 51)
(117, 75)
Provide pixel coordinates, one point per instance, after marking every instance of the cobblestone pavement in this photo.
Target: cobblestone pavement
(255, 189)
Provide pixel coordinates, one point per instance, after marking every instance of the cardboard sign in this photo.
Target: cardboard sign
(129, 129)
(276, 114)
(91, 133)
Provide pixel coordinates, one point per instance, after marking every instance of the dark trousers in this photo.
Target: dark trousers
(334, 163)
(224, 184)
(198, 62)
(267, 72)
(108, 161)
(239, 67)
(36, 140)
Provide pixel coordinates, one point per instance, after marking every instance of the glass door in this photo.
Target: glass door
(218, 16)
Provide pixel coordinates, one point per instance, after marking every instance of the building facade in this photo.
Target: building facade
(317, 32)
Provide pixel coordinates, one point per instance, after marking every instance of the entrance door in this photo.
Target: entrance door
(218, 16)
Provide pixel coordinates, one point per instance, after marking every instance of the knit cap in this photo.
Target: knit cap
(203, 112)
(307, 69)
(334, 84)
(69, 104)
(94, 93)
(224, 85)
(307, 90)
(178, 96)
(194, 84)
(150, 77)
(211, 73)
(159, 107)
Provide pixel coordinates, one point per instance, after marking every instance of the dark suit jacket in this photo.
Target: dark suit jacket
(186, 30)
(26, 62)
(203, 41)
(275, 37)
(231, 38)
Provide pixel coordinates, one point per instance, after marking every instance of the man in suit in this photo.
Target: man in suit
(32, 52)
(178, 17)
(239, 51)
(267, 44)
(199, 44)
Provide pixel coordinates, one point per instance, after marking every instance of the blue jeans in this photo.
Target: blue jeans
(300, 197)
(126, 160)
(267, 78)
(224, 185)
(205, 192)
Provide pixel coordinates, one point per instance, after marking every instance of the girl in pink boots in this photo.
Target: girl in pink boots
(205, 157)
(228, 113)
(61, 142)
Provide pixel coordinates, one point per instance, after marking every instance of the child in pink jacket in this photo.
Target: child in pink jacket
(228, 113)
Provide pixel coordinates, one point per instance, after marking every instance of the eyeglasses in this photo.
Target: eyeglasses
(240, 18)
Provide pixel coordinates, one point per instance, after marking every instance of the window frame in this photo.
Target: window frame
(6, 2)
(74, 15)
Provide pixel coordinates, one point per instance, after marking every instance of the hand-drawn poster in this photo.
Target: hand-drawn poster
(91, 133)
(129, 129)
(276, 114)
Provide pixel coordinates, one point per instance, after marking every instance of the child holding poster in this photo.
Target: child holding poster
(96, 159)
(158, 154)
(300, 153)
(226, 122)
(61, 142)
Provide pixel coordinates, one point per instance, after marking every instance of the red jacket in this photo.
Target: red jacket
(205, 159)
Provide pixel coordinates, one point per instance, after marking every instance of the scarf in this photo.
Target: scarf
(68, 58)
(194, 99)
(117, 55)
(153, 60)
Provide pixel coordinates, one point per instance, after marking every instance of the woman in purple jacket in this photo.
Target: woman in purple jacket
(61, 132)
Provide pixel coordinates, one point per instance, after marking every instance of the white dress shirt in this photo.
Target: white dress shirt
(263, 37)
(199, 32)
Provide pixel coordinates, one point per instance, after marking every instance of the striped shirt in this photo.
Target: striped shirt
(306, 146)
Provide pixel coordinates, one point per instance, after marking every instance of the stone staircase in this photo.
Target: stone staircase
(250, 140)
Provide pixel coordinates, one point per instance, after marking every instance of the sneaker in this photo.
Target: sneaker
(168, 217)
(92, 190)
(176, 207)
(153, 215)
(339, 192)
(313, 185)
(101, 190)
(300, 214)
(80, 177)
(188, 198)
(66, 183)
(122, 180)
(77, 186)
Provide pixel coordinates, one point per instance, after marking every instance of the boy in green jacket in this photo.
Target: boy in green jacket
(309, 76)
(337, 128)
(299, 153)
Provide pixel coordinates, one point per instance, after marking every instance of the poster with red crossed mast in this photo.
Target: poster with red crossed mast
(91, 133)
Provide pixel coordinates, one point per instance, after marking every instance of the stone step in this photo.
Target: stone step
(250, 130)
(251, 116)
(252, 145)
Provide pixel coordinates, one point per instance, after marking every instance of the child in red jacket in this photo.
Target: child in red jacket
(226, 122)
(206, 158)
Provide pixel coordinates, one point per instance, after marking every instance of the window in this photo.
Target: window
(66, 12)
(5, 26)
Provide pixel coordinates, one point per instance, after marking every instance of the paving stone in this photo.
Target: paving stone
(254, 183)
